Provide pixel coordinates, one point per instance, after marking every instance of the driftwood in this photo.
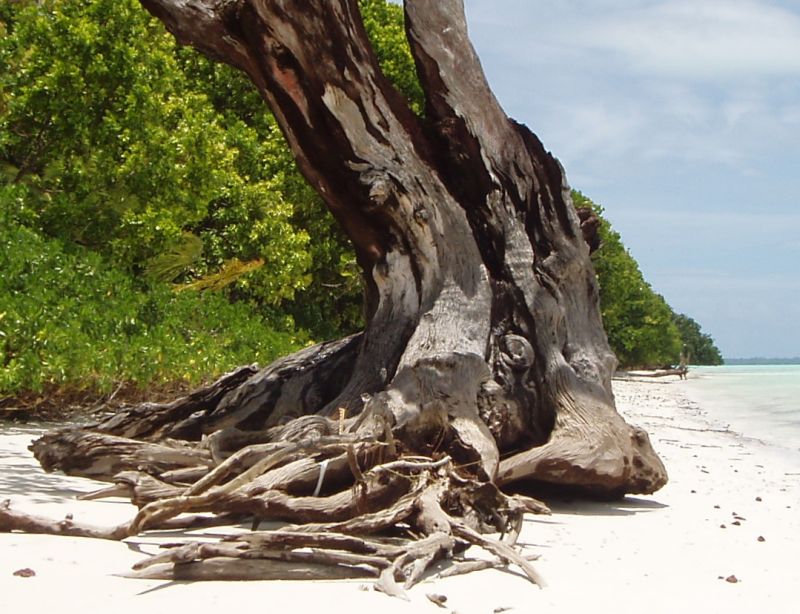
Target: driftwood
(78, 451)
(483, 361)
(483, 336)
(681, 371)
(391, 519)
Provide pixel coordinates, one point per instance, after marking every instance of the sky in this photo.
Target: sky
(682, 119)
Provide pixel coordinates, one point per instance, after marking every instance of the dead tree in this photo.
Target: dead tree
(483, 342)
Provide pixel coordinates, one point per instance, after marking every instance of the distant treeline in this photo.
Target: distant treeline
(154, 227)
(642, 328)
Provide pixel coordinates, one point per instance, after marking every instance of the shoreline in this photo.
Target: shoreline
(659, 553)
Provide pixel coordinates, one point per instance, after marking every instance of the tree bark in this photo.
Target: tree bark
(483, 338)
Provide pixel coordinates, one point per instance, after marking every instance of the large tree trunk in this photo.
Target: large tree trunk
(483, 337)
(483, 361)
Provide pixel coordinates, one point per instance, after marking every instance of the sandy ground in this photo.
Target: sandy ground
(730, 509)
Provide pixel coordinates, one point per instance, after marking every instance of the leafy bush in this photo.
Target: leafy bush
(638, 321)
(698, 347)
(128, 142)
(69, 320)
(121, 150)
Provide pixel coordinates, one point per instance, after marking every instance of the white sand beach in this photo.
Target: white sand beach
(730, 509)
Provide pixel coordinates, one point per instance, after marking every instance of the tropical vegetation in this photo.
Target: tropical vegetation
(154, 227)
(642, 328)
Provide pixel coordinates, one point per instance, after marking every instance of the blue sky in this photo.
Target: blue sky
(681, 118)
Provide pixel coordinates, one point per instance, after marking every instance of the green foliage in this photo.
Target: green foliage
(698, 347)
(121, 151)
(642, 329)
(384, 24)
(171, 264)
(231, 271)
(147, 161)
(638, 321)
(98, 127)
(326, 299)
(68, 320)
(127, 143)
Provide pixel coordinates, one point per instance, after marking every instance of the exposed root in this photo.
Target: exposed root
(225, 568)
(392, 519)
(12, 520)
(461, 567)
(360, 503)
(85, 453)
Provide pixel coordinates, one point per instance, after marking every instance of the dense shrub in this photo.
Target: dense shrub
(698, 347)
(127, 162)
(122, 151)
(67, 319)
(642, 328)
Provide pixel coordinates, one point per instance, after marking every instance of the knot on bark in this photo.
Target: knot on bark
(516, 352)
(380, 186)
(648, 473)
(583, 364)
(503, 415)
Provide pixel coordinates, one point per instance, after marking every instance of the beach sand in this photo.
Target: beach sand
(730, 509)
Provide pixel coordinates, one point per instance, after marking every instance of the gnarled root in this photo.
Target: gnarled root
(393, 520)
(249, 397)
(591, 448)
(437, 503)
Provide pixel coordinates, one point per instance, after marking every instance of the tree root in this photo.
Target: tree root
(221, 569)
(76, 451)
(392, 521)
(461, 567)
(358, 503)
(248, 396)
(12, 520)
(342, 548)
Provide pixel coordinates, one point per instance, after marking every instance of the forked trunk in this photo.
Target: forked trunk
(483, 337)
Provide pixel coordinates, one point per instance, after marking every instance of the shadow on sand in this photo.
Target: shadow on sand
(21, 474)
(627, 506)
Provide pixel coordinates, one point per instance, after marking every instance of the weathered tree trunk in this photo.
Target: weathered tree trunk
(483, 337)
(483, 361)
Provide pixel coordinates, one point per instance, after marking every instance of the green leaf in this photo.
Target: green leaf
(170, 265)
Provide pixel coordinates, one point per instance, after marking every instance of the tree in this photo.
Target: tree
(472, 252)
(638, 321)
(698, 347)
(483, 351)
(129, 156)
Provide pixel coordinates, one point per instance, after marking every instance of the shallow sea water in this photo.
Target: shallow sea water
(759, 401)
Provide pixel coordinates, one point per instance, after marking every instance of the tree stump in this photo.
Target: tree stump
(483, 361)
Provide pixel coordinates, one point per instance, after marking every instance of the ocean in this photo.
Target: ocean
(758, 401)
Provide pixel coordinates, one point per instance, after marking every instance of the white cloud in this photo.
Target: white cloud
(682, 117)
(705, 39)
(661, 121)
(614, 81)
(603, 125)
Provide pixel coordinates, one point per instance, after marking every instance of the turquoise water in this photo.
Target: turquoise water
(759, 401)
